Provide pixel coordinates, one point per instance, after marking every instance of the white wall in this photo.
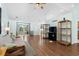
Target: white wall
(74, 24)
(4, 19)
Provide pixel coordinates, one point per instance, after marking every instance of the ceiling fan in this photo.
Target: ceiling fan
(40, 5)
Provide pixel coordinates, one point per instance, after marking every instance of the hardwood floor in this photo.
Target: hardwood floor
(43, 47)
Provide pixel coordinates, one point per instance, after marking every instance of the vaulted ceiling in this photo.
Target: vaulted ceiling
(28, 10)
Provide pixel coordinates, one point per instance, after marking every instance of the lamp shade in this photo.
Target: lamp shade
(7, 29)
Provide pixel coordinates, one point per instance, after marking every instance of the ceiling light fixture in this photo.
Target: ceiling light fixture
(40, 5)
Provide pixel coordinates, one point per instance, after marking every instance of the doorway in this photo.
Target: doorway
(22, 28)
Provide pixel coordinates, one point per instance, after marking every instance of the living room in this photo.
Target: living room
(36, 24)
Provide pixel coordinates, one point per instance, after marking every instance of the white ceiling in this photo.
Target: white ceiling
(25, 10)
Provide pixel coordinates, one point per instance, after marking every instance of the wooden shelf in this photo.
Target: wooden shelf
(64, 32)
(65, 28)
(64, 42)
(64, 21)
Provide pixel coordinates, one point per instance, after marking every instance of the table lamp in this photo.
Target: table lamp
(7, 29)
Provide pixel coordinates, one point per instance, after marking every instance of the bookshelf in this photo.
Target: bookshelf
(45, 30)
(64, 32)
